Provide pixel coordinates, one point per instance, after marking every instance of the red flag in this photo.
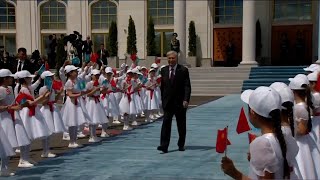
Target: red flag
(96, 83)
(133, 57)
(317, 88)
(159, 80)
(222, 140)
(47, 66)
(251, 137)
(94, 57)
(243, 125)
(157, 61)
(113, 83)
(22, 98)
(57, 85)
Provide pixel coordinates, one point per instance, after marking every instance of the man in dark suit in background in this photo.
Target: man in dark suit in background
(175, 94)
(103, 55)
(22, 63)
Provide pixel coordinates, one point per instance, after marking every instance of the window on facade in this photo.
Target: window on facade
(97, 39)
(161, 11)
(228, 11)
(53, 15)
(163, 42)
(103, 13)
(9, 43)
(292, 10)
(7, 15)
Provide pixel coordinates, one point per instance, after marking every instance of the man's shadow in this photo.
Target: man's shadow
(191, 148)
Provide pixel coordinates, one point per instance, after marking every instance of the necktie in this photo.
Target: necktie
(20, 66)
(172, 75)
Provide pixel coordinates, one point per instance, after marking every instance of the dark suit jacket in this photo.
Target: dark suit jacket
(27, 66)
(104, 57)
(174, 94)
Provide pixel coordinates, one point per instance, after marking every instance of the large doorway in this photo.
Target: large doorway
(163, 39)
(291, 45)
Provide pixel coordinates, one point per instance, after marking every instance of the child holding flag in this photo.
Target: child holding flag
(269, 152)
(31, 115)
(73, 115)
(50, 111)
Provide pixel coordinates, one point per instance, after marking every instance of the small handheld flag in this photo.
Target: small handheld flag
(81, 84)
(94, 57)
(22, 98)
(242, 125)
(48, 82)
(75, 61)
(222, 140)
(57, 85)
(41, 69)
(105, 83)
(251, 137)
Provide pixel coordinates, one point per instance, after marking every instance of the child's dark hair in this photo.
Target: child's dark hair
(276, 121)
(65, 91)
(289, 111)
(21, 81)
(307, 93)
(1, 80)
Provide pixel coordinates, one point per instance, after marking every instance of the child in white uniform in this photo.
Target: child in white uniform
(94, 107)
(73, 115)
(50, 111)
(269, 152)
(287, 122)
(308, 157)
(313, 77)
(6, 151)
(136, 96)
(31, 115)
(151, 100)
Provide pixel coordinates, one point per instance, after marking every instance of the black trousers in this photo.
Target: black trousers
(180, 114)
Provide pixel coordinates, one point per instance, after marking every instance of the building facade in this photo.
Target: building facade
(286, 32)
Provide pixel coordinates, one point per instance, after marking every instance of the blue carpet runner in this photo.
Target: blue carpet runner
(134, 156)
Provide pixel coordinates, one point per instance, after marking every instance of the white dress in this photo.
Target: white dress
(6, 121)
(127, 104)
(158, 93)
(35, 125)
(51, 113)
(118, 94)
(6, 149)
(73, 114)
(94, 107)
(151, 100)
(308, 157)
(266, 155)
(316, 118)
(137, 98)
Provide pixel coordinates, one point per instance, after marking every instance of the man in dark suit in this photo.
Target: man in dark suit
(22, 63)
(103, 54)
(175, 95)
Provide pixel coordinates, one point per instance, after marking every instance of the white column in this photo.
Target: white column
(318, 61)
(180, 28)
(249, 33)
(23, 31)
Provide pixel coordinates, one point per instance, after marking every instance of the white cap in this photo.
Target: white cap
(25, 74)
(108, 70)
(154, 65)
(117, 72)
(129, 71)
(95, 72)
(6, 73)
(312, 68)
(139, 73)
(284, 91)
(152, 70)
(262, 100)
(135, 70)
(70, 68)
(138, 67)
(143, 67)
(46, 73)
(313, 76)
(297, 82)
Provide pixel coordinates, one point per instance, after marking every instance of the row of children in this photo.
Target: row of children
(92, 96)
(289, 119)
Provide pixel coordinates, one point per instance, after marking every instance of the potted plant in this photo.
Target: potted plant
(192, 54)
(151, 43)
(113, 45)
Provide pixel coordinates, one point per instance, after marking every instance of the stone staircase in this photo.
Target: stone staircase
(217, 81)
(266, 75)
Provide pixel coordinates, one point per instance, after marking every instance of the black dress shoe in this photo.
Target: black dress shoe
(164, 150)
(182, 149)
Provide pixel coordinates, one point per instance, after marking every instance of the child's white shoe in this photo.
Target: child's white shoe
(127, 128)
(24, 164)
(49, 155)
(135, 123)
(104, 134)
